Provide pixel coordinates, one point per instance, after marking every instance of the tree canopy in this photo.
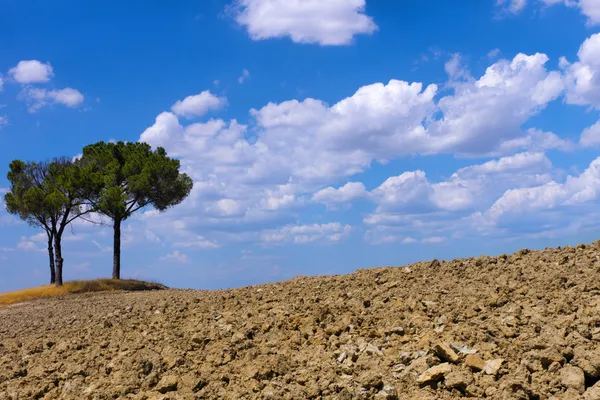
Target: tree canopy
(118, 179)
(45, 195)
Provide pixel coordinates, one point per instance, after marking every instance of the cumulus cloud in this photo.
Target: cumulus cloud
(28, 245)
(576, 190)
(332, 22)
(249, 179)
(176, 256)
(31, 71)
(198, 242)
(583, 77)
(350, 191)
(36, 98)
(434, 239)
(588, 8)
(590, 137)
(299, 234)
(411, 203)
(469, 187)
(198, 105)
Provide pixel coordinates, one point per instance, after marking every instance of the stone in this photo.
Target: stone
(434, 373)
(592, 393)
(398, 330)
(446, 353)
(369, 379)
(493, 366)
(167, 384)
(573, 377)
(588, 361)
(474, 362)
(459, 380)
(387, 393)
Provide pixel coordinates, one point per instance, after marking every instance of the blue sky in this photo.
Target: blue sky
(322, 136)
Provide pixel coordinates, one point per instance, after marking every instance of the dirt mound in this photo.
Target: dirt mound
(524, 326)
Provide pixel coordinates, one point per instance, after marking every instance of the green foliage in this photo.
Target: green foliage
(46, 195)
(28, 195)
(43, 194)
(120, 178)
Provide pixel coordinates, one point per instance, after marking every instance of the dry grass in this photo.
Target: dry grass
(74, 287)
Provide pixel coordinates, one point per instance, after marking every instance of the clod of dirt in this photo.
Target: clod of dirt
(521, 326)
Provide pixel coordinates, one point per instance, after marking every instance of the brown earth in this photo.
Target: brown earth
(523, 326)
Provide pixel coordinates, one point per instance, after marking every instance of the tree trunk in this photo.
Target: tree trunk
(51, 255)
(117, 250)
(59, 260)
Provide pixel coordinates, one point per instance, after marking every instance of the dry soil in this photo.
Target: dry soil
(522, 326)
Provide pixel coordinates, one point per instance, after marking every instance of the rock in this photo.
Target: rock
(588, 361)
(167, 384)
(592, 393)
(398, 330)
(446, 353)
(554, 367)
(573, 377)
(369, 379)
(434, 373)
(463, 349)
(459, 380)
(474, 362)
(492, 367)
(387, 393)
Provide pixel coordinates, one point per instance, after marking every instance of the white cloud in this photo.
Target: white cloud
(434, 239)
(104, 249)
(494, 53)
(28, 245)
(245, 75)
(198, 242)
(41, 237)
(455, 68)
(408, 240)
(36, 98)
(590, 137)
(31, 71)
(253, 178)
(483, 114)
(575, 191)
(151, 237)
(176, 256)
(588, 8)
(198, 105)
(467, 188)
(410, 204)
(512, 6)
(591, 9)
(1, 83)
(582, 78)
(300, 234)
(331, 22)
(3, 121)
(535, 141)
(68, 96)
(350, 191)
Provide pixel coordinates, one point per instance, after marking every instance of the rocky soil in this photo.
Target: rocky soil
(522, 326)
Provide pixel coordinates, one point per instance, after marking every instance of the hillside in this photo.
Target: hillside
(523, 326)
